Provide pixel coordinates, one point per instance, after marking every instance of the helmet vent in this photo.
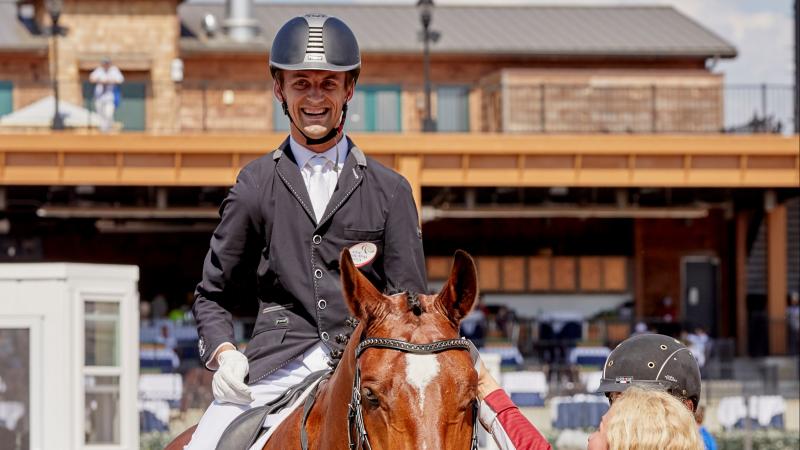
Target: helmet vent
(610, 363)
(651, 364)
(663, 347)
(315, 40)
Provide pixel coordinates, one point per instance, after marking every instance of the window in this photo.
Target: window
(15, 385)
(101, 344)
(375, 108)
(102, 409)
(6, 97)
(102, 371)
(453, 108)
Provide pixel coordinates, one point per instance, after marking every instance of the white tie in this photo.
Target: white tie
(318, 186)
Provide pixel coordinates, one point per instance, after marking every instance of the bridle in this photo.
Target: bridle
(355, 418)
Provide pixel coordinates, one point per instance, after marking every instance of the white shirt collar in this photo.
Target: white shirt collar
(302, 155)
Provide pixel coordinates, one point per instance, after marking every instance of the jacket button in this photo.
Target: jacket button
(317, 239)
(318, 274)
(324, 336)
(322, 304)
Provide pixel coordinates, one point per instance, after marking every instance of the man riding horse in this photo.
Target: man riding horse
(283, 225)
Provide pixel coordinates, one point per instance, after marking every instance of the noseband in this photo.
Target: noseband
(355, 418)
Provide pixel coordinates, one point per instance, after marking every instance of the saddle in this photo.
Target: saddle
(245, 430)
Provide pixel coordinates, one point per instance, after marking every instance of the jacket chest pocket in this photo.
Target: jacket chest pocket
(360, 235)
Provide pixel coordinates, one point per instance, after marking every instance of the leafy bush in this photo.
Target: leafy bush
(762, 440)
(154, 440)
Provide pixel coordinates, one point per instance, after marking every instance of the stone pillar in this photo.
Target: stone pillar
(67, 76)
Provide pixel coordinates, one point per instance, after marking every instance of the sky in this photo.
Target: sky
(761, 30)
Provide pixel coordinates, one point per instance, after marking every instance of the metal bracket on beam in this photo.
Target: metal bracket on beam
(161, 198)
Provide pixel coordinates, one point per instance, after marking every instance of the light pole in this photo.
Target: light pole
(54, 9)
(797, 67)
(428, 36)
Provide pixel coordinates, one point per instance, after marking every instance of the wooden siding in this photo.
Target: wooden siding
(425, 159)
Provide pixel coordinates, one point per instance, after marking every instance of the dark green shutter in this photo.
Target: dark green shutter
(6, 97)
(131, 110)
(375, 108)
(453, 108)
(132, 106)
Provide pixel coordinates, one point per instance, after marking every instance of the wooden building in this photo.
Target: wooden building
(582, 153)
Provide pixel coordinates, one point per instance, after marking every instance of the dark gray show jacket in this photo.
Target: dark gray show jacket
(267, 223)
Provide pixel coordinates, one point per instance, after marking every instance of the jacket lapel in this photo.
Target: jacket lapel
(350, 178)
(289, 173)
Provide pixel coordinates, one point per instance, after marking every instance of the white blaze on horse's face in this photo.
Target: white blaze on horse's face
(421, 370)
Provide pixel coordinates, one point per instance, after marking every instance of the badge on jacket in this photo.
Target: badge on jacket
(201, 346)
(363, 253)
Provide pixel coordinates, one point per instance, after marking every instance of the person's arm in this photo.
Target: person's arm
(230, 264)
(115, 76)
(229, 267)
(95, 76)
(403, 260)
(501, 417)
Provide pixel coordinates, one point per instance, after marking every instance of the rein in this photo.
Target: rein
(355, 417)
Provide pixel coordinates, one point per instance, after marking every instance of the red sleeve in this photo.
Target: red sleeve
(520, 430)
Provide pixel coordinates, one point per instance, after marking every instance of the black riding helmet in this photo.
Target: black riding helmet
(652, 360)
(316, 42)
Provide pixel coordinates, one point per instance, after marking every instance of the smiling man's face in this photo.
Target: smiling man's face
(315, 99)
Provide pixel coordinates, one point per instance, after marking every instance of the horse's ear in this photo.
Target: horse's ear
(458, 295)
(359, 293)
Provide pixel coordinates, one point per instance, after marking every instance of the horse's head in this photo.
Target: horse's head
(414, 400)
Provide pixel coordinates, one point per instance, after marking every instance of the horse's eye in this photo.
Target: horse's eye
(370, 396)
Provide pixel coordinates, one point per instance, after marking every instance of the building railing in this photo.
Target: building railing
(571, 108)
(220, 107)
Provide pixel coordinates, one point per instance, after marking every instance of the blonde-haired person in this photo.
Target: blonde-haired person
(644, 419)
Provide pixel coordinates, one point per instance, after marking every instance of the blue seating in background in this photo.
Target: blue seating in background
(529, 399)
(578, 411)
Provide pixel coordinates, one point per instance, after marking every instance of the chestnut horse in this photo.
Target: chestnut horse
(405, 381)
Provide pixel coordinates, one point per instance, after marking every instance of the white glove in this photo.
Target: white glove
(228, 385)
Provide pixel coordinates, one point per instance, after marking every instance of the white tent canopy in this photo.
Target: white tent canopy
(40, 114)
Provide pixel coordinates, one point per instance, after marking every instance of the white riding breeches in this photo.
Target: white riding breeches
(219, 415)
